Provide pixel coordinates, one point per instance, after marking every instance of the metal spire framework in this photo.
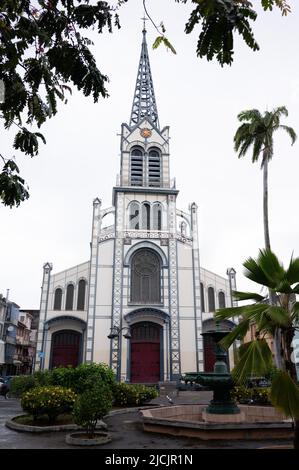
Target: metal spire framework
(144, 102)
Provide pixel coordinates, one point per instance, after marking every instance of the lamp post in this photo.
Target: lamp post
(115, 333)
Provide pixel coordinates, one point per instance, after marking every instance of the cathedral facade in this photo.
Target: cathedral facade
(142, 300)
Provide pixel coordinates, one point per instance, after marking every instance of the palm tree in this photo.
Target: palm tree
(257, 131)
(255, 357)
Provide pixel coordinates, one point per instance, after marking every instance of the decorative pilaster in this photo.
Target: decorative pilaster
(41, 335)
(196, 289)
(231, 273)
(175, 358)
(92, 285)
(116, 317)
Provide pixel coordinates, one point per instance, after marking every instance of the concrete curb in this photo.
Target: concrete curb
(11, 424)
(102, 438)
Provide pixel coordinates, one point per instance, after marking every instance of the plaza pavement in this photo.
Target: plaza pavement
(125, 427)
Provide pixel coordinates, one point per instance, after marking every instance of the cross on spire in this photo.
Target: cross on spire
(144, 101)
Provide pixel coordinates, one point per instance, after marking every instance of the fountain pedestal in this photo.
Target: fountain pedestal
(220, 381)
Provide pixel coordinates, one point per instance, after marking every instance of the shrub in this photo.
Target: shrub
(21, 384)
(256, 395)
(93, 404)
(43, 378)
(127, 394)
(83, 376)
(51, 401)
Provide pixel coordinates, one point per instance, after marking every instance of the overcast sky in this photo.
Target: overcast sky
(200, 101)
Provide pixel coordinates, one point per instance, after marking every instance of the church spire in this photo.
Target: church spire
(144, 102)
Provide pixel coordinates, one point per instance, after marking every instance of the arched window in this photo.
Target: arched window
(137, 166)
(202, 297)
(145, 277)
(146, 216)
(81, 295)
(69, 297)
(221, 299)
(57, 299)
(211, 299)
(154, 168)
(134, 216)
(157, 217)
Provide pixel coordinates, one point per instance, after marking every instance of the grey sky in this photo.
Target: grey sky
(200, 101)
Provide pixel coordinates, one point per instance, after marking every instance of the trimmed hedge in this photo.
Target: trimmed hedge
(129, 395)
(51, 401)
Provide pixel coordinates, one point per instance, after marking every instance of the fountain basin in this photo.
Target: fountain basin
(253, 422)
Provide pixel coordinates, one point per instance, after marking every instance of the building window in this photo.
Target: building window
(137, 166)
(57, 299)
(134, 216)
(69, 297)
(146, 216)
(221, 299)
(145, 277)
(154, 168)
(211, 299)
(81, 295)
(202, 297)
(157, 217)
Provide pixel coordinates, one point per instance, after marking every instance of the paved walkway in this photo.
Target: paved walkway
(125, 428)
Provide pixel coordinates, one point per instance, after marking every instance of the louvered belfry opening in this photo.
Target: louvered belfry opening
(145, 277)
(136, 167)
(154, 168)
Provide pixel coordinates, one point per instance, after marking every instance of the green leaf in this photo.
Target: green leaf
(247, 296)
(255, 360)
(238, 332)
(157, 42)
(285, 394)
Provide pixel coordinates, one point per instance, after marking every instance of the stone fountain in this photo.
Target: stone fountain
(222, 418)
(220, 381)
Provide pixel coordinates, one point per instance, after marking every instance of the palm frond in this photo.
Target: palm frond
(292, 273)
(249, 312)
(255, 358)
(250, 115)
(278, 315)
(238, 332)
(248, 296)
(285, 394)
(290, 131)
(254, 272)
(271, 266)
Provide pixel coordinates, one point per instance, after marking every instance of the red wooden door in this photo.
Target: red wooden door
(145, 353)
(65, 349)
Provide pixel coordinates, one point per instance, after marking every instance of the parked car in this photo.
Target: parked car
(4, 387)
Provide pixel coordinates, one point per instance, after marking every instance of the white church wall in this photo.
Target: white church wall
(101, 352)
(70, 276)
(185, 280)
(187, 343)
(104, 278)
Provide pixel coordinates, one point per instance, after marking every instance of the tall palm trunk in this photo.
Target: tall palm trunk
(265, 205)
(277, 334)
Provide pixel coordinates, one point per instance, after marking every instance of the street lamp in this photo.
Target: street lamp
(115, 333)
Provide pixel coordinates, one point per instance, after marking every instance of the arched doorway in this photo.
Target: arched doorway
(66, 348)
(145, 352)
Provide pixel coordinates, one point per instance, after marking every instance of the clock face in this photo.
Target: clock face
(145, 132)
